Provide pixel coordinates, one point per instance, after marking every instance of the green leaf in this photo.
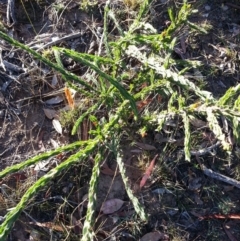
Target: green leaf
(78, 57)
(217, 130)
(187, 136)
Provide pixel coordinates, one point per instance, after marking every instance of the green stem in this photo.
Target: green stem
(12, 216)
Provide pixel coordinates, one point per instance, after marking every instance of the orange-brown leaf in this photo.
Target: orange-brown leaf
(69, 98)
(148, 172)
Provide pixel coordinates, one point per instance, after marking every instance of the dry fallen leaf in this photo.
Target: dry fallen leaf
(54, 81)
(145, 147)
(111, 205)
(77, 225)
(54, 101)
(57, 126)
(50, 113)
(106, 170)
(154, 236)
(227, 228)
(42, 165)
(54, 143)
(34, 235)
(69, 98)
(51, 226)
(197, 122)
(148, 172)
(141, 104)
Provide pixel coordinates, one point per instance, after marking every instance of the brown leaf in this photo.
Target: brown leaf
(54, 81)
(154, 236)
(145, 147)
(54, 101)
(107, 171)
(19, 176)
(141, 104)
(77, 225)
(148, 172)
(69, 97)
(57, 126)
(50, 113)
(111, 205)
(183, 44)
(228, 188)
(197, 122)
(51, 226)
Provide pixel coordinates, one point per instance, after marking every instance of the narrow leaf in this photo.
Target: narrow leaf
(78, 57)
(148, 172)
(214, 126)
(187, 136)
(57, 126)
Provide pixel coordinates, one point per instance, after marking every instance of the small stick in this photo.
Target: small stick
(232, 5)
(54, 42)
(11, 13)
(218, 176)
(205, 150)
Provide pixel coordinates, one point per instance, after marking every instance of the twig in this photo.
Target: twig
(54, 42)
(11, 13)
(218, 176)
(232, 5)
(12, 67)
(205, 150)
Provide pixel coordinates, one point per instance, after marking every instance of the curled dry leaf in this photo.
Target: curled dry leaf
(111, 205)
(54, 101)
(57, 126)
(69, 97)
(154, 236)
(50, 113)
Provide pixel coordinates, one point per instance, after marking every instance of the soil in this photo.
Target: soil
(179, 194)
